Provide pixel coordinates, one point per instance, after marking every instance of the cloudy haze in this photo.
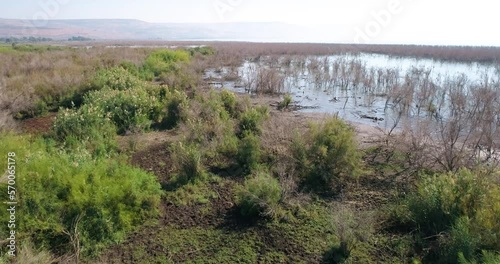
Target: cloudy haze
(362, 21)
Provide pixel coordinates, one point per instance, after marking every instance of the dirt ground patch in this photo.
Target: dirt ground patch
(38, 125)
(154, 159)
(195, 215)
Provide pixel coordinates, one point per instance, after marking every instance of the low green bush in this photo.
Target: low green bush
(326, 155)
(175, 111)
(163, 61)
(140, 72)
(249, 153)
(251, 120)
(64, 198)
(205, 51)
(230, 102)
(130, 110)
(440, 200)
(259, 195)
(461, 208)
(182, 78)
(287, 100)
(460, 242)
(116, 78)
(188, 163)
(86, 127)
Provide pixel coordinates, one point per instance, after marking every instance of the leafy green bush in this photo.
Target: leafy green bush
(162, 61)
(182, 78)
(67, 198)
(210, 125)
(230, 102)
(130, 110)
(116, 78)
(461, 242)
(88, 127)
(461, 208)
(205, 120)
(176, 109)
(327, 156)
(260, 195)
(442, 199)
(251, 120)
(249, 153)
(140, 72)
(188, 163)
(205, 51)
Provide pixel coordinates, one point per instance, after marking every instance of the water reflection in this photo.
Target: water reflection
(374, 89)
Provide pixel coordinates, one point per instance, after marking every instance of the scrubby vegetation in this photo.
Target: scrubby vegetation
(145, 162)
(73, 203)
(327, 155)
(456, 211)
(259, 196)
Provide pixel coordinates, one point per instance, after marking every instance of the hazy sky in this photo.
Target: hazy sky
(364, 21)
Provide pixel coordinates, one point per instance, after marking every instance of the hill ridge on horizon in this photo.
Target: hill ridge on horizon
(135, 29)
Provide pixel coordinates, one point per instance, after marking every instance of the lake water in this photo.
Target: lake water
(353, 104)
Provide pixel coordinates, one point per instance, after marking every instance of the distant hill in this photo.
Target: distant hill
(124, 29)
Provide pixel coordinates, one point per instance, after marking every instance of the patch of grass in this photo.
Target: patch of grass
(302, 241)
(199, 245)
(6, 49)
(191, 194)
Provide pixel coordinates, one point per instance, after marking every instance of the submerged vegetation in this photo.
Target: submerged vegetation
(145, 162)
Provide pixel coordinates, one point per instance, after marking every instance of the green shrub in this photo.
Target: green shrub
(142, 72)
(188, 163)
(260, 195)
(461, 243)
(59, 192)
(116, 78)
(209, 125)
(130, 110)
(230, 103)
(87, 127)
(205, 51)
(176, 109)
(182, 78)
(442, 199)
(287, 100)
(163, 61)
(41, 108)
(249, 153)
(490, 257)
(327, 156)
(486, 257)
(487, 218)
(461, 208)
(251, 120)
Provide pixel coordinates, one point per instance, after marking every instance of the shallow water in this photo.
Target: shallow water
(354, 104)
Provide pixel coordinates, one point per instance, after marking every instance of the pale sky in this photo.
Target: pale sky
(398, 21)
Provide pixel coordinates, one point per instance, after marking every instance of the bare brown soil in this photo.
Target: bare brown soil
(38, 125)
